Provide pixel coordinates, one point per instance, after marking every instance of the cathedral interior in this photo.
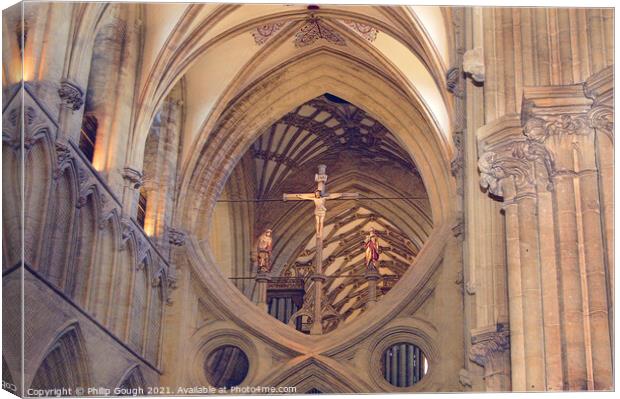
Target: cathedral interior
(306, 198)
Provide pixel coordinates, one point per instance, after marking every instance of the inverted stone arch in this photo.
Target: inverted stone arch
(327, 375)
(247, 117)
(299, 83)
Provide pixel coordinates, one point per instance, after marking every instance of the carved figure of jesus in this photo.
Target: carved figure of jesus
(263, 250)
(319, 206)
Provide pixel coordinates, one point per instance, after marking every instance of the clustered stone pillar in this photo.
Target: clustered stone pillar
(544, 164)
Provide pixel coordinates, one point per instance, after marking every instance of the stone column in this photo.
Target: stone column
(371, 277)
(262, 282)
(491, 350)
(546, 172)
(558, 119)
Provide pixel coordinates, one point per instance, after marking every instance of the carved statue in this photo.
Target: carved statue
(263, 250)
(371, 245)
(319, 205)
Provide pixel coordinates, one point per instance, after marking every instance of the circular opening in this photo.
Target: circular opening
(403, 364)
(226, 366)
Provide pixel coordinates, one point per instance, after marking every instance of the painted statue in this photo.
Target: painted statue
(371, 245)
(264, 246)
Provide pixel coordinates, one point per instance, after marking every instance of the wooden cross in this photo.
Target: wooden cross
(319, 197)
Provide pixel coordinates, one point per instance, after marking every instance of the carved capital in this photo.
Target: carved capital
(496, 166)
(519, 160)
(539, 129)
(134, 177)
(71, 95)
(176, 237)
(489, 344)
(601, 118)
(473, 64)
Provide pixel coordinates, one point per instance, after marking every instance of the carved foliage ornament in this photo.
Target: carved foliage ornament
(176, 237)
(134, 177)
(539, 129)
(602, 118)
(314, 29)
(71, 95)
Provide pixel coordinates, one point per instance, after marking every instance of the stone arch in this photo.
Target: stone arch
(321, 373)
(301, 81)
(132, 379)
(39, 164)
(85, 255)
(124, 274)
(106, 255)
(155, 315)
(65, 363)
(182, 51)
(61, 225)
(139, 306)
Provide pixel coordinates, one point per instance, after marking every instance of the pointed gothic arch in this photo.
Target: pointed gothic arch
(132, 379)
(65, 363)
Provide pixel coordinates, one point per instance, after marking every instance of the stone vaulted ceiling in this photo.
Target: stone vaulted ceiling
(319, 131)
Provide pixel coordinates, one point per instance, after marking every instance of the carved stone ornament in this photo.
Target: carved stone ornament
(176, 237)
(262, 33)
(514, 160)
(456, 165)
(487, 345)
(539, 129)
(366, 31)
(465, 378)
(71, 95)
(601, 118)
(453, 81)
(134, 177)
(314, 29)
(63, 153)
(473, 64)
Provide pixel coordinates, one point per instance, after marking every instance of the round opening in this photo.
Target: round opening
(403, 364)
(226, 366)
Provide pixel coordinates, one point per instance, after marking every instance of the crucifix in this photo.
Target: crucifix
(319, 197)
